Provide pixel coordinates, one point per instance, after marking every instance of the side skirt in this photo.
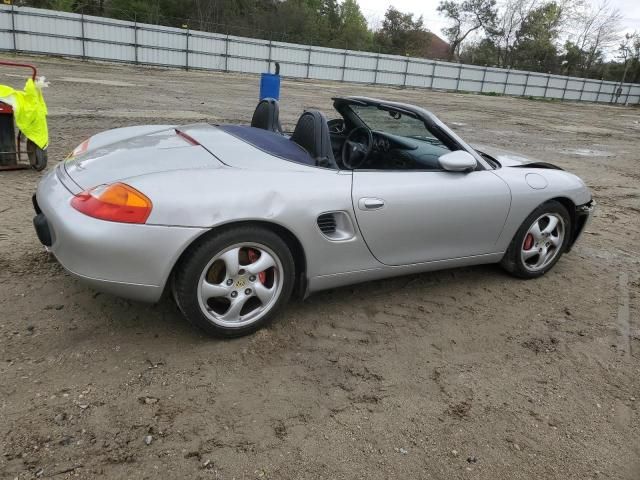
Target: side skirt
(324, 282)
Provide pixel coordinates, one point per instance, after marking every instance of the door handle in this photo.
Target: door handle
(370, 203)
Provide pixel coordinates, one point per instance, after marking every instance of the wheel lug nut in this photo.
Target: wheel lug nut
(252, 278)
(230, 282)
(247, 291)
(234, 294)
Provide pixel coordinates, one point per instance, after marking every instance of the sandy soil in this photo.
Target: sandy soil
(465, 373)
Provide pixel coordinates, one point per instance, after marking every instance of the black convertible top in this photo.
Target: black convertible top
(270, 142)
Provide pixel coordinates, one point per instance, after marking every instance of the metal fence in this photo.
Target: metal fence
(30, 30)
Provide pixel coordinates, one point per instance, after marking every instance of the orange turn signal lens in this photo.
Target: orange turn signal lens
(117, 202)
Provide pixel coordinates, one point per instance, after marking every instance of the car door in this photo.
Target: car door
(414, 216)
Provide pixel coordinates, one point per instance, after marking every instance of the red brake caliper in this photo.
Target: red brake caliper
(528, 241)
(254, 255)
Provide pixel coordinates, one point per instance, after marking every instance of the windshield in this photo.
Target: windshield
(393, 121)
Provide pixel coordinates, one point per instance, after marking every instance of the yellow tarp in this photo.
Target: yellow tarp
(30, 112)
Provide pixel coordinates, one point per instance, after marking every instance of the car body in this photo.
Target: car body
(342, 225)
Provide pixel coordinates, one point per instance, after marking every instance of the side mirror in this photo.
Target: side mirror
(458, 161)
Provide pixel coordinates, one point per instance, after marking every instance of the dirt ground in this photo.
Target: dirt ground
(464, 373)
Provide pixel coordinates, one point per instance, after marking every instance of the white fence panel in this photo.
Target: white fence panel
(31, 30)
(208, 62)
(96, 29)
(210, 44)
(100, 50)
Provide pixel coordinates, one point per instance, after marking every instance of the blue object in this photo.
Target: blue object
(270, 84)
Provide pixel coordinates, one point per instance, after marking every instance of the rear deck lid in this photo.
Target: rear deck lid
(118, 154)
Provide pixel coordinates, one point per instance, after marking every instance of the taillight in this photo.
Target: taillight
(116, 202)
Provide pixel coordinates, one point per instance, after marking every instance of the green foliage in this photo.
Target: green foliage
(466, 17)
(535, 48)
(352, 29)
(62, 5)
(401, 34)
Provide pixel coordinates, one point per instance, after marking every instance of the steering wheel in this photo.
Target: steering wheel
(354, 153)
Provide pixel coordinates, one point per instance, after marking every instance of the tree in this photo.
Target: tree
(574, 58)
(629, 54)
(401, 34)
(467, 16)
(484, 52)
(598, 28)
(513, 13)
(352, 31)
(535, 47)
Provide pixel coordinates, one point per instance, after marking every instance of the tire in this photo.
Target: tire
(520, 259)
(226, 299)
(37, 156)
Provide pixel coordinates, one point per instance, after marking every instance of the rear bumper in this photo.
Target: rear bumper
(127, 260)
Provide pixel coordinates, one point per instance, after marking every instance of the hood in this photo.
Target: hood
(129, 152)
(507, 158)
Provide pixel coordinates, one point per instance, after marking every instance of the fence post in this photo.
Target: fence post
(406, 69)
(186, 51)
(484, 75)
(506, 80)
(584, 82)
(526, 84)
(226, 53)
(375, 73)
(308, 61)
(599, 90)
(270, 41)
(84, 52)
(344, 64)
(433, 74)
(13, 28)
(135, 39)
(546, 87)
(626, 98)
(564, 90)
(459, 75)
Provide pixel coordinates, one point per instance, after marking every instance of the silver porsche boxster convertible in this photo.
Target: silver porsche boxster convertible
(234, 219)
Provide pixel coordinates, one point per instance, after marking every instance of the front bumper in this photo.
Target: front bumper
(127, 260)
(583, 216)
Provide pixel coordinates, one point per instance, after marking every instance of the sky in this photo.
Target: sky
(374, 12)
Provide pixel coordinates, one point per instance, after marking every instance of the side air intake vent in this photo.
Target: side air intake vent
(336, 226)
(327, 223)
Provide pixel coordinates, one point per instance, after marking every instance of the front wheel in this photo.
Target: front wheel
(232, 283)
(540, 241)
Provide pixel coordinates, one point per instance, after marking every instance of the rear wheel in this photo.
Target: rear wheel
(37, 156)
(540, 241)
(234, 282)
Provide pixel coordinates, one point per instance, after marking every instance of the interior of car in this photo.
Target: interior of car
(363, 136)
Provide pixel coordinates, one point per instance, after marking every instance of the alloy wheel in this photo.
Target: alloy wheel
(239, 285)
(543, 242)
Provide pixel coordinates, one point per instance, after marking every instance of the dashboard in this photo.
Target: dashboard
(395, 152)
(381, 143)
